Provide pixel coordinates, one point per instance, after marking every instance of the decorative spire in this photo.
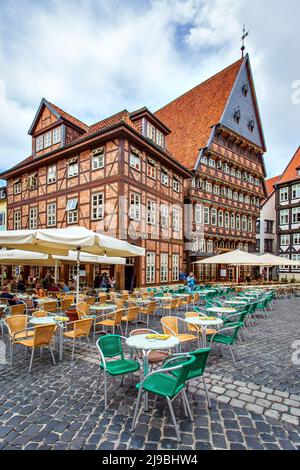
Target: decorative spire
(245, 34)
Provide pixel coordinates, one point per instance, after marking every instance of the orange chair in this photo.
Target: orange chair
(81, 329)
(82, 309)
(114, 322)
(132, 314)
(50, 306)
(18, 309)
(170, 326)
(170, 306)
(16, 326)
(65, 303)
(90, 300)
(42, 336)
(148, 310)
(39, 314)
(187, 301)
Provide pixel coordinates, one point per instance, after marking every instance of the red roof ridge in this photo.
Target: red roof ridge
(69, 117)
(290, 171)
(270, 183)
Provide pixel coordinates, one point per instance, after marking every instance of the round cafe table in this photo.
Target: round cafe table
(235, 302)
(53, 321)
(146, 345)
(98, 310)
(204, 324)
(220, 310)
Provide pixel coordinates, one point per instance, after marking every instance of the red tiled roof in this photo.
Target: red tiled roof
(69, 117)
(122, 116)
(270, 183)
(191, 116)
(290, 173)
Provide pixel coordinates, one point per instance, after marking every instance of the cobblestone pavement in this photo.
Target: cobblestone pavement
(254, 406)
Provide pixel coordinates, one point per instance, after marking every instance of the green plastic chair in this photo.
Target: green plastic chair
(163, 383)
(197, 368)
(228, 339)
(110, 346)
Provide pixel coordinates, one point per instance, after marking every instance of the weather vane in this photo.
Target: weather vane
(245, 34)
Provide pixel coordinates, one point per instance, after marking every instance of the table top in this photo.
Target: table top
(163, 298)
(235, 302)
(141, 342)
(199, 321)
(181, 295)
(46, 321)
(102, 307)
(139, 301)
(221, 310)
(48, 299)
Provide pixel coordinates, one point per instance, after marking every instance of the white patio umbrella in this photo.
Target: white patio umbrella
(60, 241)
(234, 258)
(87, 258)
(270, 260)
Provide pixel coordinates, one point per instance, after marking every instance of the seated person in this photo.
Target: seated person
(39, 291)
(64, 287)
(5, 294)
(53, 287)
(21, 286)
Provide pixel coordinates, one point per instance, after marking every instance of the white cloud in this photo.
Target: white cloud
(94, 58)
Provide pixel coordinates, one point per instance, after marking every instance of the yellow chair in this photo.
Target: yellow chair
(170, 326)
(18, 309)
(81, 329)
(65, 303)
(115, 321)
(82, 310)
(187, 301)
(132, 314)
(39, 314)
(148, 310)
(90, 300)
(170, 306)
(16, 325)
(42, 336)
(50, 306)
(196, 298)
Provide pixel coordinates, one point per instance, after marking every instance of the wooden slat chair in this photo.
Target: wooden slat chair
(148, 310)
(81, 329)
(42, 337)
(131, 317)
(170, 326)
(112, 320)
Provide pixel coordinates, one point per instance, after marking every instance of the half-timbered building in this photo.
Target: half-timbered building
(217, 134)
(115, 176)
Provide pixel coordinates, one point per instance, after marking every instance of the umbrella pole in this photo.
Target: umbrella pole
(2, 276)
(55, 271)
(78, 274)
(237, 273)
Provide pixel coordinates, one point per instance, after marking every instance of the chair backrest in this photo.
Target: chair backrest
(110, 346)
(43, 335)
(90, 300)
(170, 325)
(196, 297)
(39, 314)
(18, 309)
(132, 313)
(82, 309)
(199, 365)
(50, 306)
(151, 307)
(66, 303)
(118, 314)
(191, 315)
(16, 323)
(142, 331)
(119, 303)
(184, 362)
(82, 327)
(102, 298)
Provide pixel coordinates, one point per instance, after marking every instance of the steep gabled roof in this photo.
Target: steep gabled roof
(122, 116)
(192, 116)
(270, 183)
(291, 173)
(59, 113)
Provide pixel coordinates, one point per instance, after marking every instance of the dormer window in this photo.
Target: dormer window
(135, 159)
(237, 115)
(56, 135)
(150, 131)
(159, 138)
(47, 139)
(245, 89)
(251, 125)
(39, 143)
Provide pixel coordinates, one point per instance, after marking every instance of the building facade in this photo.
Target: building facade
(116, 177)
(217, 133)
(288, 217)
(3, 208)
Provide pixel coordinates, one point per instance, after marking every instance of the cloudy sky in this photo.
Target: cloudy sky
(96, 57)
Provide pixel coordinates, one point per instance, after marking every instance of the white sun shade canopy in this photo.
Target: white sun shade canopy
(236, 258)
(27, 258)
(272, 260)
(89, 259)
(60, 241)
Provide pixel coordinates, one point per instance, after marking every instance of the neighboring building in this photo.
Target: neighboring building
(217, 133)
(3, 208)
(288, 216)
(115, 176)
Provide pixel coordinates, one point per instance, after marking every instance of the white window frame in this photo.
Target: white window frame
(250, 224)
(226, 220)
(51, 214)
(150, 267)
(47, 139)
(284, 194)
(150, 131)
(39, 143)
(73, 169)
(51, 174)
(206, 215)
(151, 169)
(296, 215)
(232, 221)
(176, 219)
(198, 213)
(2, 219)
(151, 212)
(220, 219)
(18, 187)
(164, 267)
(244, 223)
(17, 220)
(175, 267)
(135, 206)
(285, 240)
(176, 184)
(33, 218)
(210, 246)
(296, 238)
(56, 138)
(164, 177)
(72, 210)
(98, 160)
(214, 217)
(284, 217)
(135, 160)
(238, 222)
(164, 216)
(296, 191)
(97, 205)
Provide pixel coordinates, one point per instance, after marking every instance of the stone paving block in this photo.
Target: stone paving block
(279, 407)
(290, 419)
(255, 408)
(295, 411)
(258, 394)
(247, 398)
(274, 398)
(237, 403)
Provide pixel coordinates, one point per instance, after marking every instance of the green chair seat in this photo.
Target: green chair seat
(121, 366)
(163, 385)
(223, 339)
